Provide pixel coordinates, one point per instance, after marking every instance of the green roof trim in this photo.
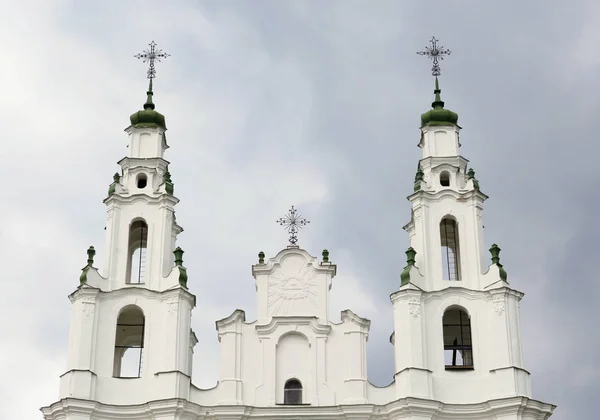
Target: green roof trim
(495, 251)
(471, 175)
(183, 277)
(90, 262)
(410, 262)
(438, 115)
(169, 187)
(418, 178)
(148, 117)
(113, 187)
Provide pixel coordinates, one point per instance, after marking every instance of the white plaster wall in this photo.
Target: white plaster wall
(440, 141)
(498, 370)
(166, 344)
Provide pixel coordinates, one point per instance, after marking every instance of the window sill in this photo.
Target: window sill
(292, 405)
(460, 368)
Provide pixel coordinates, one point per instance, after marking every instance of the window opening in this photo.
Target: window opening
(445, 179)
(129, 344)
(138, 241)
(142, 181)
(458, 347)
(292, 392)
(450, 255)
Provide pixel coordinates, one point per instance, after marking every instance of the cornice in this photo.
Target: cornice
(461, 195)
(348, 315)
(177, 291)
(401, 408)
(127, 161)
(275, 262)
(455, 291)
(280, 321)
(505, 291)
(84, 291)
(408, 290)
(231, 319)
(159, 198)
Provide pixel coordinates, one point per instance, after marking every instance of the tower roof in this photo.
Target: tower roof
(148, 117)
(438, 115)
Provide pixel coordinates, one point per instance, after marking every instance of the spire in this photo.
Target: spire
(436, 104)
(149, 105)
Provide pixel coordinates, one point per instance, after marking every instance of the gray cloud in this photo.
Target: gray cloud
(309, 103)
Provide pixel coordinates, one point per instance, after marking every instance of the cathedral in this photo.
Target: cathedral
(457, 337)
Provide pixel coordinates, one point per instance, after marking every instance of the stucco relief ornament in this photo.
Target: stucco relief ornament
(499, 304)
(169, 215)
(89, 306)
(173, 304)
(414, 307)
(109, 214)
(285, 289)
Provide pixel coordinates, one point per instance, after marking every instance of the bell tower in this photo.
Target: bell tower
(130, 338)
(457, 332)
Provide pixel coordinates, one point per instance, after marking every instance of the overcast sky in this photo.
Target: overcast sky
(312, 103)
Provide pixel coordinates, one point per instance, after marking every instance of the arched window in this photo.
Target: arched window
(292, 392)
(129, 343)
(445, 179)
(141, 181)
(450, 249)
(138, 243)
(458, 347)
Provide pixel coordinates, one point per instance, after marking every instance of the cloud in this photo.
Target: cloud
(286, 103)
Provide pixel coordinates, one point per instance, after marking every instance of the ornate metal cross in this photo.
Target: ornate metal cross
(150, 55)
(293, 222)
(436, 53)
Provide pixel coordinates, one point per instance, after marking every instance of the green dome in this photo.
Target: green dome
(148, 117)
(438, 115)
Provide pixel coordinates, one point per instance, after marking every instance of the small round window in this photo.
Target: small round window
(142, 181)
(445, 179)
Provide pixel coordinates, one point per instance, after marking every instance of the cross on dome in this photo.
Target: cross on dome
(150, 55)
(293, 222)
(436, 53)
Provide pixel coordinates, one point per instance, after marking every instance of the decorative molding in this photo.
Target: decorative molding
(414, 307)
(406, 407)
(89, 306)
(231, 319)
(169, 215)
(348, 315)
(173, 303)
(499, 304)
(292, 322)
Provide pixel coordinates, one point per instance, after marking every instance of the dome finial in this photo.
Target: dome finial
(149, 117)
(437, 103)
(438, 115)
(149, 104)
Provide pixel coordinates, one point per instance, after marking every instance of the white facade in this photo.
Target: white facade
(457, 337)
